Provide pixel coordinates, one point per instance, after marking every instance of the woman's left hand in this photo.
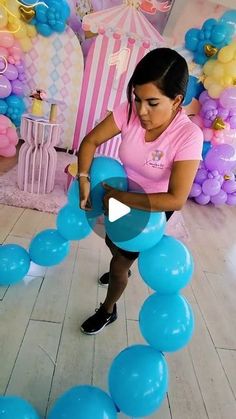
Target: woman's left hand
(110, 192)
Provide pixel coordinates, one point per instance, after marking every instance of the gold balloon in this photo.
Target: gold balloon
(26, 13)
(210, 50)
(218, 124)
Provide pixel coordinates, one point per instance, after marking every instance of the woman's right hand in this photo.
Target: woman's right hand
(85, 202)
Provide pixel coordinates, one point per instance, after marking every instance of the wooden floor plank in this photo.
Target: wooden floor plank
(228, 359)
(76, 352)
(8, 218)
(15, 311)
(32, 374)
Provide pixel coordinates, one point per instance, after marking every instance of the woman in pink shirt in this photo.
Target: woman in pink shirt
(160, 150)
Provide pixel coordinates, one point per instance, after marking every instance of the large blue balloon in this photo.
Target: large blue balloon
(48, 248)
(138, 380)
(166, 322)
(194, 89)
(167, 267)
(110, 171)
(230, 17)
(73, 223)
(84, 402)
(14, 263)
(137, 231)
(13, 407)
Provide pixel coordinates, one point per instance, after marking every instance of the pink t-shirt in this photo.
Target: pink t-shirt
(149, 163)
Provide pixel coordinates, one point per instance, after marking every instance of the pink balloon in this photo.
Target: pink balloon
(5, 122)
(12, 135)
(4, 141)
(4, 52)
(231, 199)
(6, 39)
(220, 198)
(202, 199)
(5, 87)
(228, 98)
(9, 151)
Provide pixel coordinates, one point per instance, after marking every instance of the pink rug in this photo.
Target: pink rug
(10, 194)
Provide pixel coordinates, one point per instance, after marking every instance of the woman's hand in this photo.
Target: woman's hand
(110, 192)
(85, 202)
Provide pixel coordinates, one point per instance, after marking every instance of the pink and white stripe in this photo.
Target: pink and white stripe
(119, 28)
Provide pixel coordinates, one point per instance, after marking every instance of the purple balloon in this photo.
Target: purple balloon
(202, 199)
(211, 187)
(17, 87)
(203, 97)
(232, 122)
(195, 190)
(228, 98)
(229, 186)
(200, 176)
(220, 198)
(11, 72)
(222, 158)
(5, 87)
(231, 199)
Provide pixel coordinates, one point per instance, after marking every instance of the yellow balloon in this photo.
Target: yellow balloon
(3, 17)
(215, 90)
(25, 44)
(31, 31)
(227, 81)
(230, 68)
(208, 82)
(208, 67)
(13, 6)
(226, 54)
(21, 32)
(218, 71)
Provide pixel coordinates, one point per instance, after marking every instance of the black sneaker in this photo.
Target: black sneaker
(98, 321)
(104, 280)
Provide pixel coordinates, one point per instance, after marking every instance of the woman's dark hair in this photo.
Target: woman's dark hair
(165, 68)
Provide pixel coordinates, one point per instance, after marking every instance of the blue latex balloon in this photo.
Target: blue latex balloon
(13, 407)
(48, 248)
(166, 322)
(73, 223)
(205, 148)
(14, 263)
(167, 267)
(44, 29)
(138, 380)
(110, 171)
(230, 17)
(191, 39)
(194, 89)
(136, 231)
(84, 402)
(3, 107)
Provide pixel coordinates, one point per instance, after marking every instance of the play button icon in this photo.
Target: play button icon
(117, 210)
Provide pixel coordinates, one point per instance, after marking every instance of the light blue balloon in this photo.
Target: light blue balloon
(3, 107)
(14, 407)
(48, 248)
(138, 380)
(192, 39)
(230, 17)
(167, 267)
(73, 223)
(194, 89)
(14, 263)
(44, 29)
(166, 322)
(84, 402)
(110, 171)
(137, 231)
